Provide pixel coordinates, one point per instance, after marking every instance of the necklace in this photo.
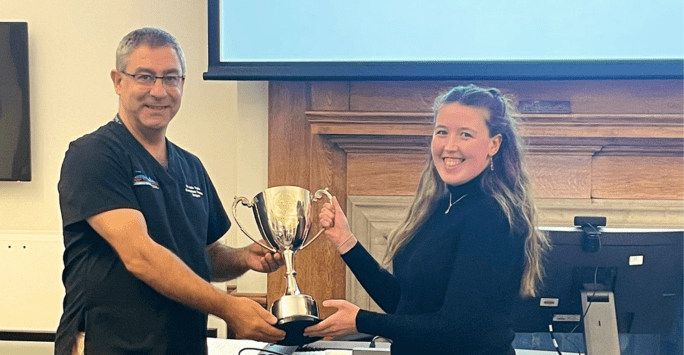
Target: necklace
(453, 203)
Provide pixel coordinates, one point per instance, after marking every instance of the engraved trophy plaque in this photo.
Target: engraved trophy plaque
(283, 217)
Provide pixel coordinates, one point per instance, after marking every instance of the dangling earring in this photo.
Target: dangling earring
(491, 164)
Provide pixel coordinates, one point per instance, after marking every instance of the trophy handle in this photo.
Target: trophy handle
(245, 202)
(317, 196)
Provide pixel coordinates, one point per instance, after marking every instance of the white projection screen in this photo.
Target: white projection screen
(435, 40)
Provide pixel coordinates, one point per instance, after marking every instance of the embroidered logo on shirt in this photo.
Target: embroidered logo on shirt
(142, 179)
(194, 191)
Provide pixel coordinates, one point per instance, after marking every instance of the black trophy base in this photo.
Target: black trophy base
(294, 330)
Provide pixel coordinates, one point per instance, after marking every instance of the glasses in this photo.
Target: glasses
(144, 79)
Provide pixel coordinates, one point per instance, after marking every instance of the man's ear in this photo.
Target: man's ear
(116, 79)
(494, 145)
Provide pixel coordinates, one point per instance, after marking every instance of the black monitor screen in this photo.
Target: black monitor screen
(642, 267)
(15, 142)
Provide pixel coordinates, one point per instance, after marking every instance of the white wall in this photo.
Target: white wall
(71, 53)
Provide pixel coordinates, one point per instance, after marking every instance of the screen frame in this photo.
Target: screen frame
(433, 70)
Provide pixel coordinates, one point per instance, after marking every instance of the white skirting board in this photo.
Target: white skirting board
(31, 290)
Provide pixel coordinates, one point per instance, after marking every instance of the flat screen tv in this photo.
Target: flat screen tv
(445, 40)
(15, 135)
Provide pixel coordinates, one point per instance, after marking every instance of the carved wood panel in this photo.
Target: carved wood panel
(371, 219)
(619, 153)
(372, 174)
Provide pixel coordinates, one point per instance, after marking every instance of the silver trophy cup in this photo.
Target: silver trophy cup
(283, 217)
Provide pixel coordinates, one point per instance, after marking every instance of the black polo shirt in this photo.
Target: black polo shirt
(108, 169)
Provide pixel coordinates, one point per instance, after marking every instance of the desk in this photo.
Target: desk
(540, 352)
(233, 346)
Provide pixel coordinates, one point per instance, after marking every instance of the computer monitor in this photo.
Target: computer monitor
(640, 269)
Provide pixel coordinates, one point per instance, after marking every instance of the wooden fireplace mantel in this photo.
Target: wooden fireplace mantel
(619, 153)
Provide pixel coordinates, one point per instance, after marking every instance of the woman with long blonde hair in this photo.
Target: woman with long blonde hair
(467, 247)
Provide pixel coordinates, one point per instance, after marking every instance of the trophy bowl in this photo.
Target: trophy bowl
(283, 217)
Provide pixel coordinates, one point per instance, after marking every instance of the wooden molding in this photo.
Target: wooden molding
(568, 155)
(618, 213)
(380, 143)
(415, 118)
(669, 147)
(371, 219)
(586, 96)
(626, 134)
(618, 154)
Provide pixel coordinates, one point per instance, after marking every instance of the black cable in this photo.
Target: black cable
(261, 349)
(590, 301)
(313, 348)
(553, 339)
(581, 320)
(375, 339)
(584, 314)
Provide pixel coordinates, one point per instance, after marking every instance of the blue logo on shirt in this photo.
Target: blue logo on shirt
(141, 179)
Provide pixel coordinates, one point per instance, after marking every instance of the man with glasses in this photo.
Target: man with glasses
(141, 223)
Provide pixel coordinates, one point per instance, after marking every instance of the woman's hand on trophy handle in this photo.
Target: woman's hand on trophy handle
(336, 226)
(327, 215)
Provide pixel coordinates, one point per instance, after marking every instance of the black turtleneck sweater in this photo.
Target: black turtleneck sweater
(454, 283)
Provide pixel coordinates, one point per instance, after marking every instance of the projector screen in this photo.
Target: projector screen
(400, 39)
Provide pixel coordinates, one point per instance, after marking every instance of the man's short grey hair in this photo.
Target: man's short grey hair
(148, 36)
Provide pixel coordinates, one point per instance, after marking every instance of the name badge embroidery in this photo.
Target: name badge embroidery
(194, 191)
